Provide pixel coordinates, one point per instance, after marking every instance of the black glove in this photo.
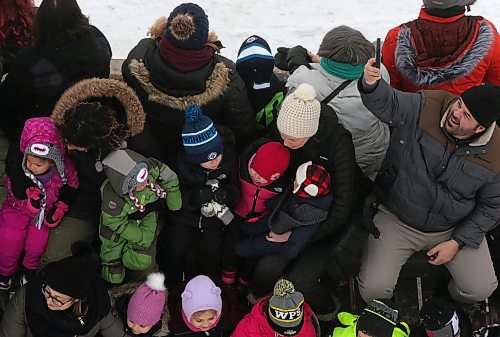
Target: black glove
(19, 183)
(221, 196)
(157, 206)
(201, 196)
(280, 59)
(296, 57)
(67, 194)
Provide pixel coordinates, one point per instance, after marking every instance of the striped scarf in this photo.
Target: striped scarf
(160, 192)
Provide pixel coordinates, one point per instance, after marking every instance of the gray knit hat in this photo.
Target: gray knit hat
(346, 45)
(443, 4)
(125, 170)
(299, 113)
(286, 309)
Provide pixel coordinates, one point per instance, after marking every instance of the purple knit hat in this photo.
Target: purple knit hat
(147, 303)
(201, 294)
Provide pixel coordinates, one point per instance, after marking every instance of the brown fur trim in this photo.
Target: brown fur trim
(182, 27)
(213, 42)
(128, 289)
(158, 28)
(216, 84)
(99, 87)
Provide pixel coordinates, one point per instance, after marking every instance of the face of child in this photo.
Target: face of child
(141, 186)
(212, 164)
(138, 329)
(203, 320)
(37, 165)
(256, 178)
(362, 334)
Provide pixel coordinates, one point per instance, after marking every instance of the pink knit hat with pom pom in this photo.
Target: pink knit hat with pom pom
(147, 303)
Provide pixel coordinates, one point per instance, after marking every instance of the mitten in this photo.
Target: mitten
(297, 56)
(35, 196)
(280, 59)
(67, 194)
(56, 213)
(221, 196)
(201, 196)
(19, 185)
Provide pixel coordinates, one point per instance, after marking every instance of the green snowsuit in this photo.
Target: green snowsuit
(126, 243)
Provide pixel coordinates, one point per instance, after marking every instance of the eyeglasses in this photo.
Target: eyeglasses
(57, 302)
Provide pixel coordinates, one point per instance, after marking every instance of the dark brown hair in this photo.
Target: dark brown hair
(59, 21)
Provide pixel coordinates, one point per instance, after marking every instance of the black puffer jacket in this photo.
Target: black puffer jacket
(165, 93)
(332, 148)
(193, 177)
(39, 75)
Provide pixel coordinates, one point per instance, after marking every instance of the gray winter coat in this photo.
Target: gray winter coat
(427, 179)
(369, 135)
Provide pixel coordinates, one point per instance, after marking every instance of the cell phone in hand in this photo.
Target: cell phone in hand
(377, 53)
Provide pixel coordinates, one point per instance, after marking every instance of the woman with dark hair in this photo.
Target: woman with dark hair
(66, 49)
(67, 298)
(16, 21)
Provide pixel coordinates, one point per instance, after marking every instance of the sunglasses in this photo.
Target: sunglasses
(56, 301)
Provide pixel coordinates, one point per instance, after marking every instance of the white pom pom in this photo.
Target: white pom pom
(156, 281)
(305, 92)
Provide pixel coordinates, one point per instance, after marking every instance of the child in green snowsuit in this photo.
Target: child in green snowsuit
(132, 195)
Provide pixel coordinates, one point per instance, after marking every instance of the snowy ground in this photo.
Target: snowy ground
(280, 22)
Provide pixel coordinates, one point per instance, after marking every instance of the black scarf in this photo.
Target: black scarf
(44, 322)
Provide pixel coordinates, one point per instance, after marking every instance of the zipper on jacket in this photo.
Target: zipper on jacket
(255, 199)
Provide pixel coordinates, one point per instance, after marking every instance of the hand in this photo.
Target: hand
(443, 252)
(273, 237)
(297, 56)
(371, 73)
(56, 214)
(314, 58)
(221, 196)
(35, 196)
(280, 59)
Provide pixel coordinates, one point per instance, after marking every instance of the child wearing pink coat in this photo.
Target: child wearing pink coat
(25, 224)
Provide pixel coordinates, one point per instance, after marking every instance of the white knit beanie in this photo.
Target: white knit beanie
(299, 113)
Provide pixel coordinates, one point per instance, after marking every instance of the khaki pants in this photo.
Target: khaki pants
(64, 235)
(473, 276)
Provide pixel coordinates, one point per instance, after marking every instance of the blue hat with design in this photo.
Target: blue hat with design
(200, 138)
(255, 62)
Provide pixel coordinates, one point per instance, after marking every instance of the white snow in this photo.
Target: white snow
(280, 22)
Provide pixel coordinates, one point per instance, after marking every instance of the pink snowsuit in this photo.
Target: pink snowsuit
(17, 227)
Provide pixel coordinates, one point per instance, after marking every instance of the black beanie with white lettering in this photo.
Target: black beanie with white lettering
(285, 312)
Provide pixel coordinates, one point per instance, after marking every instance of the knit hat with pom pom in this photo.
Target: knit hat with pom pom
(200, 138)
(187, 27)
(286, 309)
(147, 303)
(200, 294)
(299, 113)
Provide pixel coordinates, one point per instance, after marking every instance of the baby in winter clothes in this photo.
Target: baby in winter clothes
(25, 224)
(296, 215)
(143, 307)
(201, 310)
(263, 165)
(131, 196)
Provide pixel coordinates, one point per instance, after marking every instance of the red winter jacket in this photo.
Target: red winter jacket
(254, 324)
(452, 54)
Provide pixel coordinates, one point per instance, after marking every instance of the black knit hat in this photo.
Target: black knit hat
(187, 27)
(255, 62)
(73, 275)
(440, 318)
(378, 319)
(483, 102)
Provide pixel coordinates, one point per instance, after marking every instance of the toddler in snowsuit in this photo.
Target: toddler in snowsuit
(25, 224)
(208, 175)
(378, 319)
(131, 195)
(266, 91)
(296, 215)
(262, 176)
(142, 306)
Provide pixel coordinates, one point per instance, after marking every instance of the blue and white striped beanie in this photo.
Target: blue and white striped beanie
(200, 138)
(255, 62)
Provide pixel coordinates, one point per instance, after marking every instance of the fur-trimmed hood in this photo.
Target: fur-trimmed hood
(116, 293)
(407, 62)
(106, 88)
(215, 85)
